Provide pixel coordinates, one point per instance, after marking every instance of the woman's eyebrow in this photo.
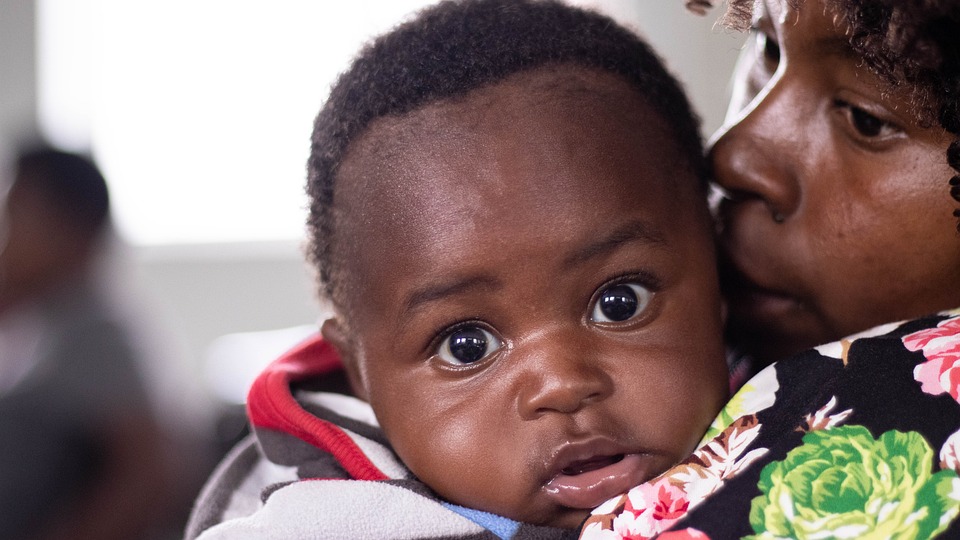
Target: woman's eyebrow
(834, 46)
(634, 231)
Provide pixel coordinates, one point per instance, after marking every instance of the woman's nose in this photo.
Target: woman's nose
(756, 155)
(558, 376)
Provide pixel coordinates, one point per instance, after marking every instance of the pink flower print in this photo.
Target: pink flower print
(630, 526)
(941, 346)
(685, 534)
(939, 376)
(950, 453)
(650, 509)
(671, 504)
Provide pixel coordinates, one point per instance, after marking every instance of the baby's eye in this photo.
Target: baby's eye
(467, 345)
(620, 302)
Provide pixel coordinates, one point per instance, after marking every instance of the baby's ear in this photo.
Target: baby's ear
(335, 334)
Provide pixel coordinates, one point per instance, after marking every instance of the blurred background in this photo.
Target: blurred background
(198, 114)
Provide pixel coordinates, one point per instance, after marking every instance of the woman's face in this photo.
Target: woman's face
(837, 214)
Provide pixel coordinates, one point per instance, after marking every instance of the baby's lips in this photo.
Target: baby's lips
(589, 489)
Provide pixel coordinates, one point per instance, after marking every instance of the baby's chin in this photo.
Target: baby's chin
(537, 511)
(553, 516)
(570, 519)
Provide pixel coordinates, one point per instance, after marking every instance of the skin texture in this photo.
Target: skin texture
(510, 211)
(838, 215)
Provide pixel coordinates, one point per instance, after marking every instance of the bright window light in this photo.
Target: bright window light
(199, 112)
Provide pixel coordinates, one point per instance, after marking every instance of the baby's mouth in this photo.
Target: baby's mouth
(591, 464)
(589, 482)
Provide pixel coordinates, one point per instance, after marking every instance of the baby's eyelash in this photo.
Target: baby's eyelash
(442, 332)
(642, 277)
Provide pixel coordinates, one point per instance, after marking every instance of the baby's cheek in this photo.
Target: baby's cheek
(472, 461)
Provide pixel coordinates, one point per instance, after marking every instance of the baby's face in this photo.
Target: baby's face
(531, 293)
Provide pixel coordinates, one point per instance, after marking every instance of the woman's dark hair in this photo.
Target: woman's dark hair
(455, 47)
(914, 42)
(908, 43)
(70, 183)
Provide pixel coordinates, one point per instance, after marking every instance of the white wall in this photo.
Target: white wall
(194, 294)
(698, 53)
(218, 289)
(18, 86)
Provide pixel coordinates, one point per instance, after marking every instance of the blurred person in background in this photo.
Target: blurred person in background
(81, 451)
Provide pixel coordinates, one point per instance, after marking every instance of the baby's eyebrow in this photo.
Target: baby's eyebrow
(438, 291)
(635, 231)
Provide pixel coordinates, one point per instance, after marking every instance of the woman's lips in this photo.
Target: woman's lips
(588, 483)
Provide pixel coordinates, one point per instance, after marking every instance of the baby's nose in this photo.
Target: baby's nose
(558, 374)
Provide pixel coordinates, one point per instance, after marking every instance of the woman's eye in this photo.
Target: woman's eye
(620, 303)
(467, 345)
(769, 48)
(760, 60)
(867, 125)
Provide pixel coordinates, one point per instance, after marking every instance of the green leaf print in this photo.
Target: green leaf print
(843, 483)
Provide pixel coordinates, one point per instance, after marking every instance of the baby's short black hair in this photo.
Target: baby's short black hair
(454, 47)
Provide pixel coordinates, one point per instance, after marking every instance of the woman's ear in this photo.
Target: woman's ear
(335, 334)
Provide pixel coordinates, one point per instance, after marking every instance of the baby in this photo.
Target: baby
(508, 215)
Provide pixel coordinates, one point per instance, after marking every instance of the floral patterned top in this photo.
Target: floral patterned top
(855, 439)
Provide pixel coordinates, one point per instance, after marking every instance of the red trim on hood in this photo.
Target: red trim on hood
(270, 404)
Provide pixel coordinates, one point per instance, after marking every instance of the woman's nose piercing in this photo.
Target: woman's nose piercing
(778, 217)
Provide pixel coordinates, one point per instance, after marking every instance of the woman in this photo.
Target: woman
(838, 214)
(838, 169)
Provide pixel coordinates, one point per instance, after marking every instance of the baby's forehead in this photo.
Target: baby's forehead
(514, 161)
(541, 98)
(540, 126)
